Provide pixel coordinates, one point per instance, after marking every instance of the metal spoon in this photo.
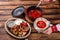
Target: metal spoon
(38, 4)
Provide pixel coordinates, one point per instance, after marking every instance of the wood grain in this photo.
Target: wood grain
(33, 36)
(17, 0)
(25, 3)
(51, 11)
(45, 16)
(52, 17)
(51, 6)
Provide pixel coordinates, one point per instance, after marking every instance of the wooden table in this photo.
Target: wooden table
(51, 12)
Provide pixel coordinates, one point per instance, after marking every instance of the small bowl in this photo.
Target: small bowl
(18, 12)
(7, 30)
(41, 29)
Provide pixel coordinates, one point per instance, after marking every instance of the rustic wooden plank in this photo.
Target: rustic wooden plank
(11, 0)
(51, 6)
(4, 35)
(51, 11)
(5, 17)
(50, 17)
(55, 21)
(5, 12)
(36, 36)
(53, 17)
(3, 20)
(17, 0)
(33, 36)
(25, 2)
(2, 24)
(18, 3)
(5, 0)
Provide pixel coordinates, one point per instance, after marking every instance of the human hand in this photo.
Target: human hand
(48, 31)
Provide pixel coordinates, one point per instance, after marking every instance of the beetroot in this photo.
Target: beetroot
(41, 24)
(33, 14)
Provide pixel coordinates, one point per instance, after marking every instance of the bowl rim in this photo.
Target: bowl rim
(13, 34)
(34, 7)
(14, 10)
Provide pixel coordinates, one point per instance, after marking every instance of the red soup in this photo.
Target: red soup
(41, 24)
(33, 14)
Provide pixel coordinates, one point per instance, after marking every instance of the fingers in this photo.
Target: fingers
(48, 31)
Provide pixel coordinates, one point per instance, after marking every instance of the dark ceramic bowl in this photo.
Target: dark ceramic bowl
(18, 12)
(32, 8)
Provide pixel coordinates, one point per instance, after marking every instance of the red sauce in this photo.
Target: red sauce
(33, 14)
(41, 24)
(23, 24)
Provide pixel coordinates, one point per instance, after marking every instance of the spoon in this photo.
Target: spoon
(46, 1)
(38, 4)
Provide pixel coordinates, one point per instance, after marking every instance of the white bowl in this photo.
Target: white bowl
(13, 34)
(41, 29)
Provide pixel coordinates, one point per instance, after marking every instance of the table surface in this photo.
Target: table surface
(51, 12)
